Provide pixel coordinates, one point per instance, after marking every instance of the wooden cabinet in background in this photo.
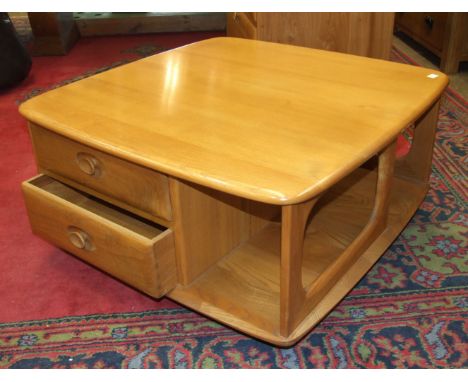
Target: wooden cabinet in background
(55, 33)
(365, 34)
(444, 34)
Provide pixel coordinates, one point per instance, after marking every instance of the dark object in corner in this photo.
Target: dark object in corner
(15, 62)
(55, 33)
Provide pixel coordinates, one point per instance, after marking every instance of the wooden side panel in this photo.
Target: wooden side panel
(296, 302)
(361, 33)
(381, 35)
(261, 214)
(320, 30)
(54, 32)
(207, 224)
(165, 263)
(455, 36)
(108, 23)
(292, 294)
(416, 165)
(243, 289)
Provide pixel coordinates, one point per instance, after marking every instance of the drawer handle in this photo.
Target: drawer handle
(88, 164)
(429, 21)
(80, 239)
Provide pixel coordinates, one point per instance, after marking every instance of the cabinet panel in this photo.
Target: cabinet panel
(361, 33)
(428, 28)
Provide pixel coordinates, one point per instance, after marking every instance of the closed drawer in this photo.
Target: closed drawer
(138, 189)
(426, 28)
(134, 250)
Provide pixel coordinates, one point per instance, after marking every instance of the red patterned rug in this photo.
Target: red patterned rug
(57, 312)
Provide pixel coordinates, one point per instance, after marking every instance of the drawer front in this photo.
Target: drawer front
(241, 24)
(122, 182)
(133, 251)
(426, 28)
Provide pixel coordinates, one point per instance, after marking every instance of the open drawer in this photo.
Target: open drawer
(134, 250)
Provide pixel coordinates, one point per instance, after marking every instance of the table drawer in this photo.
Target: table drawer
(133, 187)
(426, 28)
(130, 248)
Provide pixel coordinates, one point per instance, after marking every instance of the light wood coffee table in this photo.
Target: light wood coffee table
(253, 182)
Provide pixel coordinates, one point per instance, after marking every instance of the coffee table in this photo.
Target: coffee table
(252, 182)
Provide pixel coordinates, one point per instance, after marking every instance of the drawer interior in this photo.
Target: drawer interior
(99, 207)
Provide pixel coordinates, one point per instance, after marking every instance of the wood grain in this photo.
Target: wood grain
(259, 111)
(138, 187)
(54, 33)
(107, 23)
(354, 250)
(455, 47)
(207, 225)
(362, 33)
(125, 247)
(381, 35)
(417, 164)
(292, 295)
(243, 288)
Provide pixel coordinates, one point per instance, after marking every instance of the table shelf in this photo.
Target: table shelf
(243, 288)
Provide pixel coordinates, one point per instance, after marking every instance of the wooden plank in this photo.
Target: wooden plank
(55, 33)
(417, 164)
(106, 23)
(292, 295)
(138, 187)
(243, 288)
(115, 242)
(207, 225)
(363, 33)
(374, 227)
(454, 38)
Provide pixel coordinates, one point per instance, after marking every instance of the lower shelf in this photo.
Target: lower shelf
(242, 289)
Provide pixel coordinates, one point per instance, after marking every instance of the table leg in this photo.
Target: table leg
(417, 164)
(292, 293)
(296, 302)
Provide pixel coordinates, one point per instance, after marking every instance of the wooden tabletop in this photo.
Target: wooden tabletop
(270, 122)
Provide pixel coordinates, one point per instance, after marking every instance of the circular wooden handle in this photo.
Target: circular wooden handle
(88, 164)
(429, 21)
(79, 238)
